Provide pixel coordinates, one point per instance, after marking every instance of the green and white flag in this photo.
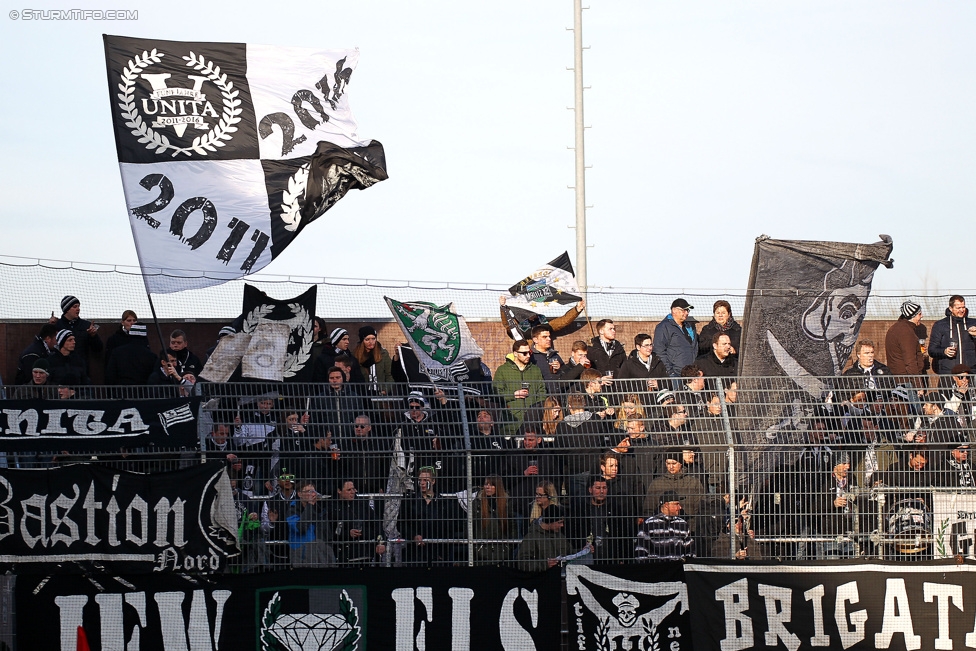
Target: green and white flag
(438, 336)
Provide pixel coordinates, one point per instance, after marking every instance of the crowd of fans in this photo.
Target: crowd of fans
(605, 456)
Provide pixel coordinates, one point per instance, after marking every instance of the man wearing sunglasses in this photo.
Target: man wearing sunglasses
(520, 383)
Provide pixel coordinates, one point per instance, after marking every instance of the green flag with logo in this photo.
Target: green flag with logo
(437, 334)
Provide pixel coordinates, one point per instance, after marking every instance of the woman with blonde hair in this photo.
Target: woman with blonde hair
(630, 409)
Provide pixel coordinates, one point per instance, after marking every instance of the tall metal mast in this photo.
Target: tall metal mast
(580, 186)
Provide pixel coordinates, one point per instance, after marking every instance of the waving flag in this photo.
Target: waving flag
(551, 283)
(439, 338)
(228, 150)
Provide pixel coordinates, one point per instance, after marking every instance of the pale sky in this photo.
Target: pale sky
(711, 123)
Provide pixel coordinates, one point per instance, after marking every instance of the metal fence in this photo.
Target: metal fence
(589, 470)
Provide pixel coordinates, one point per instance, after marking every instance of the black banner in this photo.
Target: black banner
(461, 609)
(98, 425)
(836, 606)
(297, 313)
(87, 515)
(614, 607)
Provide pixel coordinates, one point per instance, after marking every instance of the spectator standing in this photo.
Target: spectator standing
(67, 365)
(186, 361)
(545, 540)
(952, 340)
(375, 363)
(357, 530)
(308, 530)
(675, 339)
(545, 356)
(719, 361)
(641, 370)
(121, 336)
(130, 362)
(429, 517)
(520, 383)
(904, 352)
(605, 352)
(85, 332)
(578, 362)
(44, 345)
(665, 535)
(492, 517)
(722, 322)
(37, 387)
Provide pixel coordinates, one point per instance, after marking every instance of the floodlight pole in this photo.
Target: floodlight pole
(580, 186)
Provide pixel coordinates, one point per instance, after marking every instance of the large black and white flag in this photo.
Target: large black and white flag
(803, 313)
(228, 150)
(551, 283)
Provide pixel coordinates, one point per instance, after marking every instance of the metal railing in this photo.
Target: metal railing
(535, 474)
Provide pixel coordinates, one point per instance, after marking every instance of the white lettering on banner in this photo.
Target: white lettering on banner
(178, 634)
(897, 617)
(514, 637)
(85, 422)
(45, 521)
(738, 625)
(512, 634)
(943, 596)
(815, 596)
(461, 618)
(404, 600)
(778, 614)
(848, 593)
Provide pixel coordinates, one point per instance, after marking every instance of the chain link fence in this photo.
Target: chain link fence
(588, 470)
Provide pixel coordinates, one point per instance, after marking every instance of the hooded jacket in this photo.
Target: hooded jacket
(952, 329)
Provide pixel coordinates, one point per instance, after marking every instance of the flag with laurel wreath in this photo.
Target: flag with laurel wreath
(296, 314)
(228, 150)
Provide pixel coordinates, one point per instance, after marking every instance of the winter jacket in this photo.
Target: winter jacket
(380, 373)
(903, 351)
(538, 546)
(633, 375)
(130, 364)
(677, 345)
(84, 343)
(508, 379)
(37, 350)
(687, 487)
(713, 367)
(603, 361)
(952, 329)
(732, 329)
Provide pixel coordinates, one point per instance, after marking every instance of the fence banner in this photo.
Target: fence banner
(97, 425)
(837, 606)
(82, 516)
(628, 607)
(347, 610)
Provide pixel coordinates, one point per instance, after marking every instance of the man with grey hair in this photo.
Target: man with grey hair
(675, 339)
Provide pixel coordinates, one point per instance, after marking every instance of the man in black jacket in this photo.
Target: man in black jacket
(43, 346)
(953, 338)
(605, 352)
(719, 362)
(642, 369)
(85, 332)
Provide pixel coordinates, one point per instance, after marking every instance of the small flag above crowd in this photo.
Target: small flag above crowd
(551, 283)
(228, 150)
(438, 336)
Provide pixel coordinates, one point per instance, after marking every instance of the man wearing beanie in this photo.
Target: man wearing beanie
(67, 366)
(37, 386)
(87, 340)
(42, 347)
(338, 345)
(674, 479)
(903, 351)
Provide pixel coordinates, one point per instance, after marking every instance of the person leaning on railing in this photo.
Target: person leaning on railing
(493, 520)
